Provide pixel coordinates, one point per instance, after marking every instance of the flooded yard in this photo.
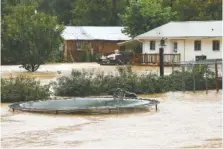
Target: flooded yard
(49, 72)
(184, 120)
(66, 68)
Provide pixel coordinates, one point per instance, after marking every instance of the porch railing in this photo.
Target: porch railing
(154, 59)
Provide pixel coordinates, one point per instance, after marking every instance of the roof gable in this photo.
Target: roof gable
(185, 30)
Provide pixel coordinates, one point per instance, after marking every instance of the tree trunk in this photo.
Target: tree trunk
(113, 19)
(31, 67)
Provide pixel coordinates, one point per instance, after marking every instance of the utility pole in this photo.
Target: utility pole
(161, 57)
(161, 61)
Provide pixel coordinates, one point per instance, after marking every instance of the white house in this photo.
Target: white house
(190, 39)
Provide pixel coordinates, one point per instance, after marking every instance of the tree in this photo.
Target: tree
(60, 8)
(196, 10)
(29, 37)
(213, 9)
(117, 8)
(91, 12)
(98, 12)
(144, 15)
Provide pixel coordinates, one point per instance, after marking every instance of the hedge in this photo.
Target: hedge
(84, 83)
(22, 88)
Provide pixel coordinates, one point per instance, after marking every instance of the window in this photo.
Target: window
(201, 57)
(79, 44)
(215, 45)
(197, 45)
(152, 45)
(175, 45)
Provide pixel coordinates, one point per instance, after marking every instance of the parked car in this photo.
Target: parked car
(120, 58)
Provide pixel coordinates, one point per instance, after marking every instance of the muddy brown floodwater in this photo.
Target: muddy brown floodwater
(184, 120)
(50, 72)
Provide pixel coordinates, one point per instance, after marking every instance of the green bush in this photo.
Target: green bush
(22, 89)
(55, 56)
(84, 83)
(88, 57)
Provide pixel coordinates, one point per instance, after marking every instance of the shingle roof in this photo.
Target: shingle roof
(185, 30)
(94, 33)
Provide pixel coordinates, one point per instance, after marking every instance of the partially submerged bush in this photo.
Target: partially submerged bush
(83, 83)
(86, 83)
(22, 88)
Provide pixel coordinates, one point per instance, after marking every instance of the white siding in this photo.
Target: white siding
(146, 47)
(186, 48)
(206, 49)
(180, 48)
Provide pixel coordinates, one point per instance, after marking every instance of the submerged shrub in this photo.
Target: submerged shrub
(22, 88)
(84, 83)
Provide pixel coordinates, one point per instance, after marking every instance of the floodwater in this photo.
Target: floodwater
(66, 68)
(50, 72)
(184, 120)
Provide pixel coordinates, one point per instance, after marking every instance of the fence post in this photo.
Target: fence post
(143, 58)
(172, 68)
(161, 61)
(194, 79)
(173, 62)
(183, 83)
(216, 76)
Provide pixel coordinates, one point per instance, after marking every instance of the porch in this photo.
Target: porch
(153, 59)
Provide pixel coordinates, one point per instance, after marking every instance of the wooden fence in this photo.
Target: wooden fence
(153, 59)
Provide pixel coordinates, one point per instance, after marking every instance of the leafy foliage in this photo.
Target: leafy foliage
(144, 15)
(22, 88)
(56, 55)
(83, 83)
(189, 10)
(27, 37)
(98, 12)
(60, 8)
(88, 54)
